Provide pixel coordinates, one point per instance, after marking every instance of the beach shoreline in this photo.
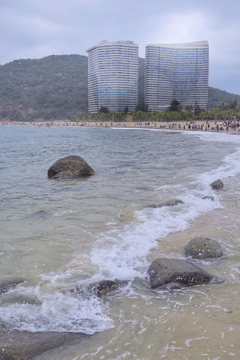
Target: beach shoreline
(190, 125)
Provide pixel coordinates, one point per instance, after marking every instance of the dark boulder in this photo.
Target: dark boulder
(216, 185)
(166, 203)
(165, 271)
(203, 248)
(70, 167)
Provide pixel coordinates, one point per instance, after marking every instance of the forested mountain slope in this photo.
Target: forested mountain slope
(52, 87)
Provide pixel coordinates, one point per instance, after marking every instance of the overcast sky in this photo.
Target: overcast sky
(38, 28)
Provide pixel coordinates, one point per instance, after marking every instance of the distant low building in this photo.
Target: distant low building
(176, 72)
(113, 76)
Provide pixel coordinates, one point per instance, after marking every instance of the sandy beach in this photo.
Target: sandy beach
(191, 125)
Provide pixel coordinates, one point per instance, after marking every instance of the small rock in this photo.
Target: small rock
(216, 185)
(208, 198)
(203, 248)
(106, 286)
(167, 203)
(165, 271)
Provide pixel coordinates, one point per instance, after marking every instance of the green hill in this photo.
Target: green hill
(52, 87)
(216, 97)
(55, 87)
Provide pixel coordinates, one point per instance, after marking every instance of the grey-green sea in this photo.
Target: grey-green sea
(63, 236)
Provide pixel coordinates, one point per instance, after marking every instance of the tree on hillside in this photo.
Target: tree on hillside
(233, 104)
(180, 107)
(197, 109)
(141, 106)
(104, 109)
(174, 105)
(188, 108)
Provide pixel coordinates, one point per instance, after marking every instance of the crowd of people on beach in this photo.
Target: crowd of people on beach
(196, 125)
(191, 125)
(225, 126)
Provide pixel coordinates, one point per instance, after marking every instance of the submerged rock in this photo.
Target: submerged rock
(216, 185)
(42, 214)
(167, 203)
(164, 271)
(99, 288)
(21, 345)
(203, 248)
(70, 167)
(8, 284)
(13, 298)
(106, 286)
(207, 198)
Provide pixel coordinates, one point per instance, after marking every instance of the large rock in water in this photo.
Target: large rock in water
(203, 248)
(165, 271)
(216, 185)
(23, 345)
(70, 167)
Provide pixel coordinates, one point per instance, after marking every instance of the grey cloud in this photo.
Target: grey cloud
(35, 29)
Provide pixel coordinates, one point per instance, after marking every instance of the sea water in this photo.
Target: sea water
(63, 236)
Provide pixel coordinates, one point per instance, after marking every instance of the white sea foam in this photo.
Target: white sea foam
(230, 165)
(215, 136)
(58, 312)
(123, 254)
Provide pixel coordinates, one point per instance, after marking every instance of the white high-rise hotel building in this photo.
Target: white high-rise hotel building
(113, 76)
(176, 72)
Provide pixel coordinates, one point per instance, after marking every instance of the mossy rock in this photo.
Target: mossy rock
(72, 166)
(203, 248)
(164, 271)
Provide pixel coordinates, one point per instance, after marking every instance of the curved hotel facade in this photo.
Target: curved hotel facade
(113, 76)
(176, 72)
